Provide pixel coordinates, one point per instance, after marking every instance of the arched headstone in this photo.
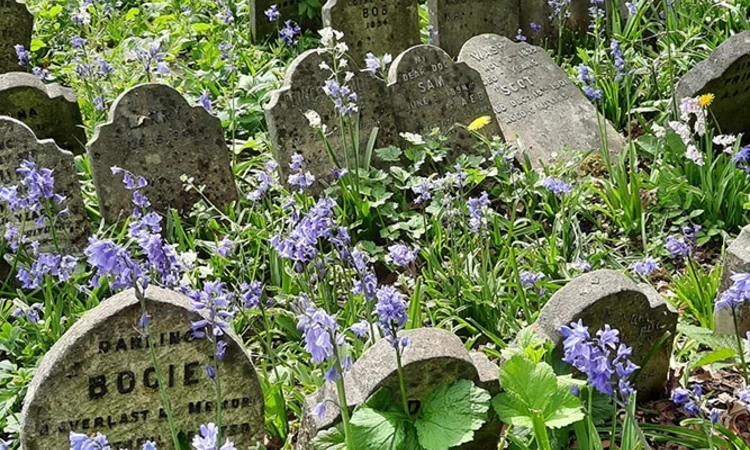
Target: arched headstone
(15, 29)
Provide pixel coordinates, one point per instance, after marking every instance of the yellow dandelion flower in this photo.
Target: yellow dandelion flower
(479, 123)
(705, 100)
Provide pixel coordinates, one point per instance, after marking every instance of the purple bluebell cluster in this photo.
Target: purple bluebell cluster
(320, 331)
(556, 186)
(208, 438)
(520, 37)
(677, 247)
(478, 207)
(344, 99)
(646, 267)
(251, 294)
(299, 177)
(265, 181)
(152, 58)
(581, 265)
(688, 400)
(23, 55)
(603, 359)
(32, 313)
(596, 12)
(737, 294)
(289, 33)
(530, 279)
(391, 310)
(401, 255)
(301, 244)
(205, 101)
(619, 60)
(58, 266)
(586, 77)
(80, 441)
(422, 191)
(742, 159)
(374, 64)
(273, 13)
(560, 9)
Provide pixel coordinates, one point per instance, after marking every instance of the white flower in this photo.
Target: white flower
(314, 118)
(700, 123)
(694, 155)
(343, 62)
(341, 47)
(387, 59)
(413, 138)
(205, 271)
(689, 106)
(681, 129)
(324, 66)
(725, 140)
(188, 258)
(328, 36)
(659, 131)
(348, 77)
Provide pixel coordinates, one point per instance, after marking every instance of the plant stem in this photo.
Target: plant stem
(343, 405)
(402, 382)
(740, 348)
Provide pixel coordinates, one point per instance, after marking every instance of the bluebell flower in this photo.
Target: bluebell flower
(478, 212)
(79, 441)
(560, 9)
(556, 186)
(586, 77)
(225, 247)
(581, 265)
(207, 439)
(331, 375)
(273, 13)
(210, 372)
(226, 16)
(742, 159)
(361, 328)
(115, 262)
(216, 304)
(677, 247)
(632, 8)
(344, 99)
(320, 331)
(530, 279)
(737, 294)
(319, 410)
(520, 37)
(646, 267)
(391, 310)
(536, 28)
(78, 42)
(289, 33)
(251, 294)
(402, 255)
(422, 191)
(619, 59)
(23, 55)
(205, 101)
(41, 73)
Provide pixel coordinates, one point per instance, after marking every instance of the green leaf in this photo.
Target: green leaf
(132, 14)
(530, 388)
(37, 44)
(707, 358)
(379, 430)
(330, 439)
(389, 153)
(201, 27)
(450, 415)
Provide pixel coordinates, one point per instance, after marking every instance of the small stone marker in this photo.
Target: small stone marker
(51, 111)
(457, 21)
(428, 90)
(71, 230)
(15, 29)
(288, 10)
(432, 358)
(153, 132)
(99, 378)
(534, 100)
(736, 260)
(726, 74)
(377, 26)
(638, 311)
(303, 91)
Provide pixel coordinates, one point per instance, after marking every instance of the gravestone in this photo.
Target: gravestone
(377, 26)
(432, 358)
(303, 91)
(638, 311)
(736, 260)
(457, 21)
(16, 26)
(534, 101)
(262, 28)
(153, 132)
(71, 230)
(51, 111)
(99, 377)
(726, 74)
(428, 90)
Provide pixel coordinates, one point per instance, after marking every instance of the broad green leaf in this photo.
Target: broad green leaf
(450, 415)
(330, 439)
(534, 383)
(379, 430)
(37, 44)
(201, 27)
(512, 410)
(389, 153)
(132, 14)
(707, 358)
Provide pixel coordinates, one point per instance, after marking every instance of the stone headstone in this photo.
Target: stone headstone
(99, 377)
(377, 26)
(736, 260)
(262, 28)
(303, 91)
(456, 21)
(726, 74)
(432, 358)
(15, 29)
(67, 233)
(428, 90)
(153, 132)
(638, 311)
(51, 111)
(534, 101)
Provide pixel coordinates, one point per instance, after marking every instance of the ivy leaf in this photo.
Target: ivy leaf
(379, 430)
(330, 439)
(530, 388)
(450, 415)
(389, 153)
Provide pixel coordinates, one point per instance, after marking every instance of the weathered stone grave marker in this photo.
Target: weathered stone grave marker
(637, 310)
(428, 90)
(736, 260)
(302, 92)
(288, 10)
(456, 21)
(379, 26)
(99, 377)
(432, 358)
(153, 132)
(71, 230)
(726, 74)
(51, 111)
(16, 26)
(534, 100)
